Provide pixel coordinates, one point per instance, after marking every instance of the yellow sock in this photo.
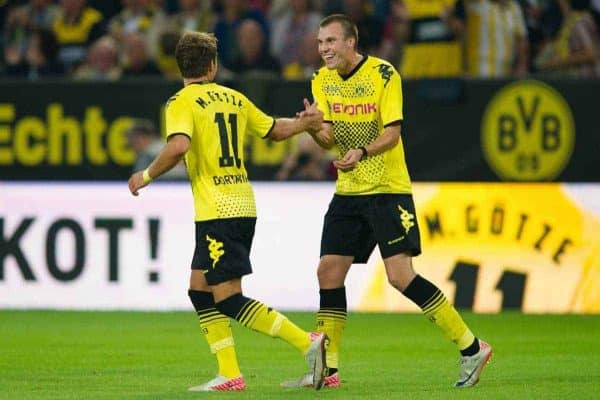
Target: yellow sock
(332, 321)
(217, 330)
(255, 315)
(443, 314)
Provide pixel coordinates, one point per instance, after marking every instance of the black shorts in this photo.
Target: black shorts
(223, 248)
(355, 224)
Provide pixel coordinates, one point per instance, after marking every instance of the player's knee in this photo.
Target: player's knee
(329, 276)
(198, 281)
(398, 282)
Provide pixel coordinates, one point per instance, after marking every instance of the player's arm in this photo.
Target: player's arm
(310, 121)
(324, 135)
(179, 124)
(386, 141)
(176, 147)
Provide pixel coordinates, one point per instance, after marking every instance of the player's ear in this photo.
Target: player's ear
(352, 42)
(214, 64)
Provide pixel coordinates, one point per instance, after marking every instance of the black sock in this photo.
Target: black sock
(233, 305)
(472, 349)
(420, 291)
(201, 300)
(333, 298)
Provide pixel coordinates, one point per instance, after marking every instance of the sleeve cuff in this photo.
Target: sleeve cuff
(393, 123)
(178, 133)
(270, 130)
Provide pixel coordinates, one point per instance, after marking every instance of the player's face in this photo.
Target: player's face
(335, 50)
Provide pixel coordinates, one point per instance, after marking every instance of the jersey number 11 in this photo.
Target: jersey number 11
(226, 160)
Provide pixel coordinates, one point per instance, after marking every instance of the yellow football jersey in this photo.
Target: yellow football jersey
(359, 106)
(216, 119)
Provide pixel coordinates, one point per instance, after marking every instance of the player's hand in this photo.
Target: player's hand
(349, 161)
(313, 115)
(136, 182)
(309, 109)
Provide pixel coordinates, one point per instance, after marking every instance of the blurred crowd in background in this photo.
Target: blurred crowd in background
(116, 40)
(107, 40)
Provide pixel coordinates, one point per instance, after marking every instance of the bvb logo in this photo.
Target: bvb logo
(527, 132)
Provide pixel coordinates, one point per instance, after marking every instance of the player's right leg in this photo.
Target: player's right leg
(333, 309)
(346, 239)
(331, 317)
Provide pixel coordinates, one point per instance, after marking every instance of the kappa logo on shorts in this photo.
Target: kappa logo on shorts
(406, 218)
(407, 223)
(216, 250)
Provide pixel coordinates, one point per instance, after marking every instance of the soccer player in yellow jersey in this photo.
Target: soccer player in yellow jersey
(361, 98)
(206, 125)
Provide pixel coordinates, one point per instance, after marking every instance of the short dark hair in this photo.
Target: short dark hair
(348, 26)
(194, 53)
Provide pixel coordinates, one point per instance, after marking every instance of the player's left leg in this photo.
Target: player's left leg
(434, 304)
(217, 331)
(255, 315)
(394, 222)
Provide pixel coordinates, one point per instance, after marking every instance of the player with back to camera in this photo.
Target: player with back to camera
(361, 98)
(206, 124)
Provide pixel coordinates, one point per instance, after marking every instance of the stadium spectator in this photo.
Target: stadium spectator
(371, 28)
(224, 205)
(495, 37)
(595, 10)
(145, 140)
(136, 62)
(193, 15)
(431, 49)
(108, 8)
(138, 16)
(102, 62)
(307, 162)
(299, 20)
(229, 18)
(40, 58)
(165, 57)
(76, 27)
(393, 31)
(253, 51)
(533, 13)
(575, 52)
(21, 22)
(373, 202)
(309, 61)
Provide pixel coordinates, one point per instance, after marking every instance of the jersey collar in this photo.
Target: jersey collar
(349, 75)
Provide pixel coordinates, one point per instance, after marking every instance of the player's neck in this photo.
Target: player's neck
(201, 80)
(351, 65)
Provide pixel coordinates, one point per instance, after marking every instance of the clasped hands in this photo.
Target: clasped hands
(313, 115)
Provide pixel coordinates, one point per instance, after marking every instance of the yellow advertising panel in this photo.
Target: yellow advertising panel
(493, 247)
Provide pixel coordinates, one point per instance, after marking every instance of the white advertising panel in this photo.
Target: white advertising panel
(489, 247)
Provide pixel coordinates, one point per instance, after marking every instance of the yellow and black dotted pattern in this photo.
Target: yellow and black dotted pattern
(359, 106)
(372, 169)
(234, 202)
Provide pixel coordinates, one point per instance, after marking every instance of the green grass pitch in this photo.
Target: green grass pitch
(129, 355)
